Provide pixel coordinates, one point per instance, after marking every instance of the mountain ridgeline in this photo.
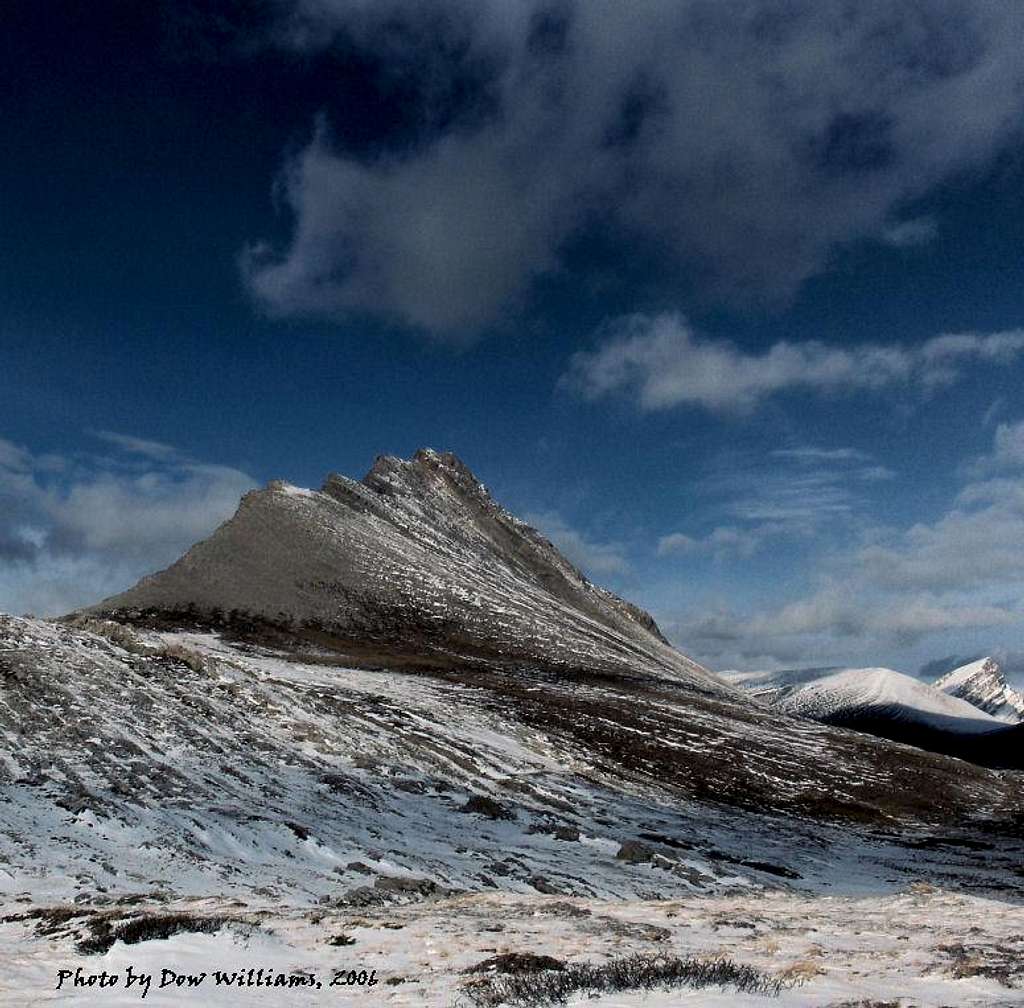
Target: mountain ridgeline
(414, 566)
(417, 569)
(967, 714)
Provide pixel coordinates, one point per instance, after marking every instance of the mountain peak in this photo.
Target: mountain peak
(415, 563)
(428, 471)
(983, 684)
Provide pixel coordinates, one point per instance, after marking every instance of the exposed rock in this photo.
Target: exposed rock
(983, 684)
(544, 885)
(636, 852)
(482, 805)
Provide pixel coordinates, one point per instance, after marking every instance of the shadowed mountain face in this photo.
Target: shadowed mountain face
(416, 565)
(416, 568)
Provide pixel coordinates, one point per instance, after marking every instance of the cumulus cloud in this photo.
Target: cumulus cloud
(591, 555)
(741, 139)
(74, 529)
(836, 625)
(662, 363)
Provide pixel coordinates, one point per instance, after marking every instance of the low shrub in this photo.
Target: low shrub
(117, 633)
(635, 972)
(195, 660)
(158, 927)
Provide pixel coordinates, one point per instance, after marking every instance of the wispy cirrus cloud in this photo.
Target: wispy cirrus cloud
(962, 572)
(911, 233)
(797, 492)
(661, 363)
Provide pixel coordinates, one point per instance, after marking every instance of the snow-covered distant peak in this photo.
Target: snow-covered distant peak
(774, 679)
(982, 684)
(829, 693)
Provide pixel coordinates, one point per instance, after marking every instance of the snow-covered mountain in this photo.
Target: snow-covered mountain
(390, 704)
(836, 694)
(890, 704)
(983, 684)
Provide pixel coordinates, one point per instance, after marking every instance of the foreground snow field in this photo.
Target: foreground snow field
(923, 947)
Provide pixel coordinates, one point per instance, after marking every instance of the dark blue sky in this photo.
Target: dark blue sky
(724, 297)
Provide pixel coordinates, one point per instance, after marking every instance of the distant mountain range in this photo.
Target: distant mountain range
(971, 712)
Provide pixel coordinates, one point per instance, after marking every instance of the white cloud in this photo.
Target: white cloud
(591, 555)
(798, 492)
(745, 139)
(139, 446)
(13, 458)
(662, 363)
(1009, 445)
(810, 453)
(962, 572)
(911, 233)
(677, 542)
(839, 624)
(722, 541)
(73, 530)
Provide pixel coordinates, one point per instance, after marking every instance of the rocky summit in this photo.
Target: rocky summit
(983, 684)
(414, 565)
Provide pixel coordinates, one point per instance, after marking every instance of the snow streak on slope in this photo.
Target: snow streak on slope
(983, 684)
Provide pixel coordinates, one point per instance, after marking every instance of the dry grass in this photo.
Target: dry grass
(117, 633)
(195, 660)
(800, 972)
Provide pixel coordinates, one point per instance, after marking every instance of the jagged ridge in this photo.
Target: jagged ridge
(983, 684)
(414, 564)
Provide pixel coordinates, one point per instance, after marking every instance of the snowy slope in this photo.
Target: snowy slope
(983, 684)
(893, 706)
(179, 760)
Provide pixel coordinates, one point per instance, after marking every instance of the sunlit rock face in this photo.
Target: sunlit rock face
(983, 684)
(415, 563)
